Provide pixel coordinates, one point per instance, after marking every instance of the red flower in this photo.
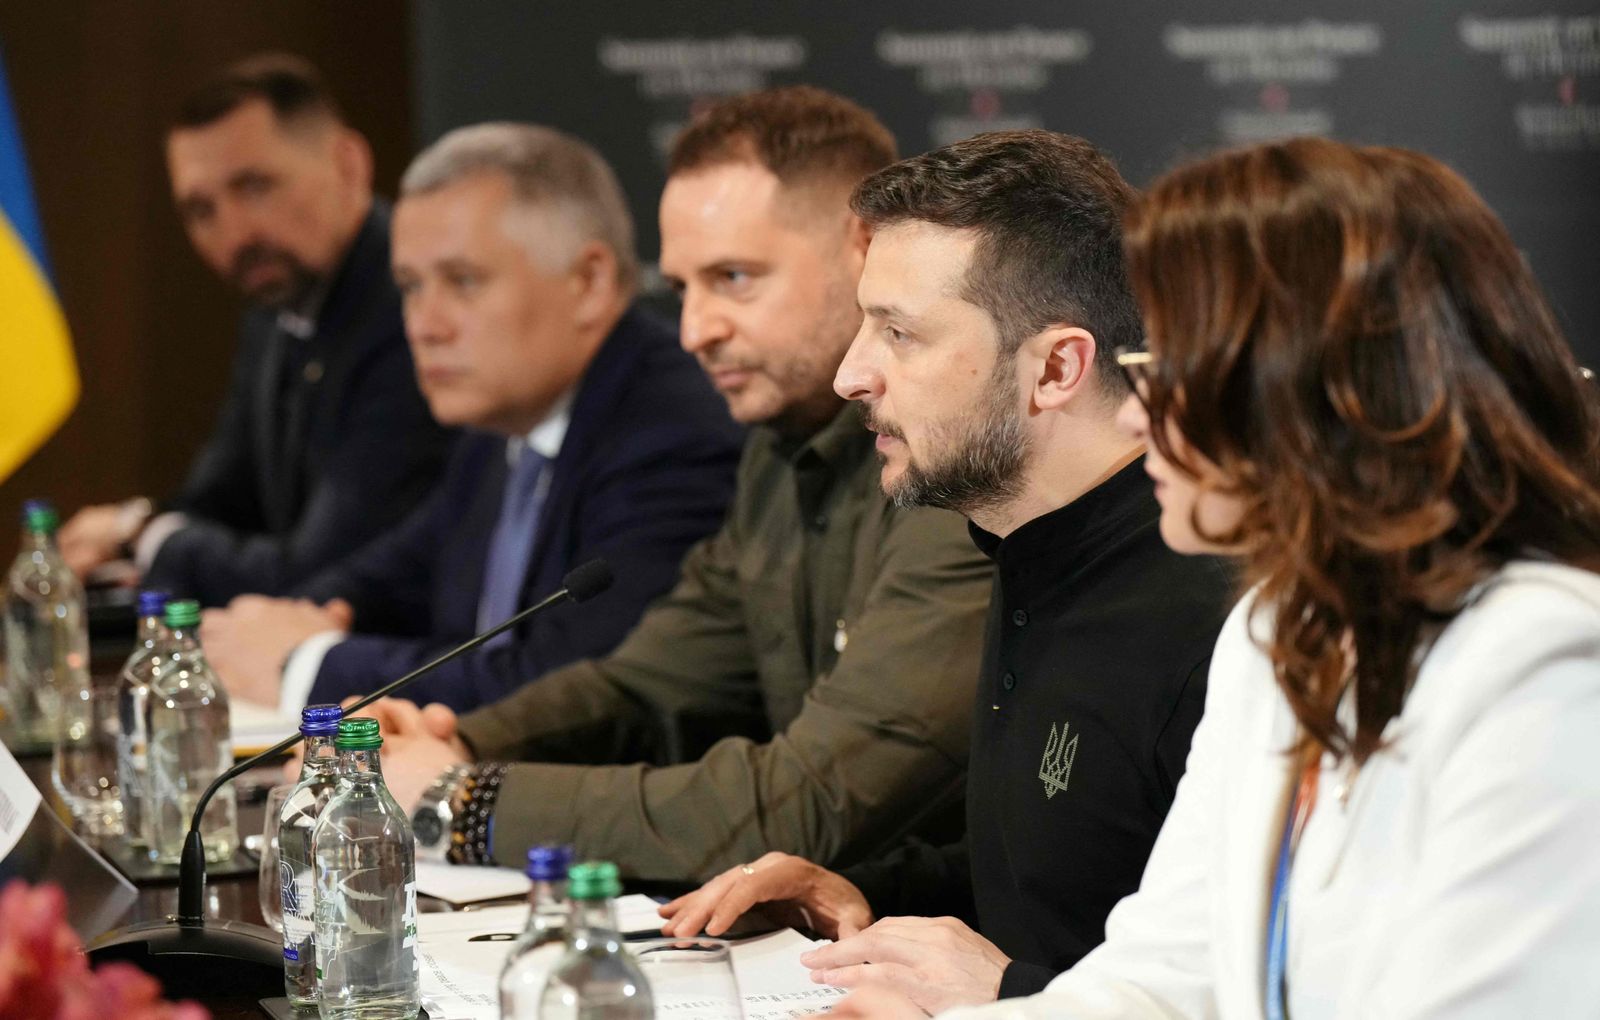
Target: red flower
(45, 976)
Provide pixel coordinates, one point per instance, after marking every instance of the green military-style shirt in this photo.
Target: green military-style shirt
(806, 687)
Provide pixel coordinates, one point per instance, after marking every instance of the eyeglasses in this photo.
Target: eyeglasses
(1135, 365)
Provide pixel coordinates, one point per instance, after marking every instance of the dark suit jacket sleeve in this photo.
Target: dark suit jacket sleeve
(386, 456)
(221, 484)
(650, 498)
(918, 879)
(388, 582)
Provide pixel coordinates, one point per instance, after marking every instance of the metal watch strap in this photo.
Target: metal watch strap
(434, 818)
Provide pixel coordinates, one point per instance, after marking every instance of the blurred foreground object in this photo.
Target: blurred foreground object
(45, 976)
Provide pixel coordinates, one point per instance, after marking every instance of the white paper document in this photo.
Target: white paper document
(256, 727)
(36, 846)
(462, 884)
(773, 983)
(19, 799)
(637, 913)
(462, 954)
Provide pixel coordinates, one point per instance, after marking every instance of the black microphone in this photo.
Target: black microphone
(191, 957)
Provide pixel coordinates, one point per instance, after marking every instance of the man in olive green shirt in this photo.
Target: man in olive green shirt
(808, 684)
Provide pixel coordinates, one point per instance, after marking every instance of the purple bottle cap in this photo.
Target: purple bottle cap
(152, 603)
(320, 720)
(549, 862)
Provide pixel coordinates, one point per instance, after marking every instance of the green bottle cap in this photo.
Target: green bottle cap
(182, 613)
(358, 734)
(39, 517)
(593, 880)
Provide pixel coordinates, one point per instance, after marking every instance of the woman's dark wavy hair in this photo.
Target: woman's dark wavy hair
(1351, 336)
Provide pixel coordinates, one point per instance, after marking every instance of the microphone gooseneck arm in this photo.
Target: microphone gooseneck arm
(581, 584)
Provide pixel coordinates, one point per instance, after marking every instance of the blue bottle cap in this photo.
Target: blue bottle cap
(549, 862)
(152, 603)
(320, 720)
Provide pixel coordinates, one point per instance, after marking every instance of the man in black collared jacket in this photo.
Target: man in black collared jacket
(324, 440)
(994, 297)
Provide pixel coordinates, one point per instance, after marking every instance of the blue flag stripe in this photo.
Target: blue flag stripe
(16, 191)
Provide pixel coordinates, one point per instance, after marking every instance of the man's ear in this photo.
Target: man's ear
(857, 237)
(594, 276)
(353, 157)
(1065, 356)
(860, 234)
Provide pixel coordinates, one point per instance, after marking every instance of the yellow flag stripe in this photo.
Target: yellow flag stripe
(38, 374)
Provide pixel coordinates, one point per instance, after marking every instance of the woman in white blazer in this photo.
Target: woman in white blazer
(1392, 806)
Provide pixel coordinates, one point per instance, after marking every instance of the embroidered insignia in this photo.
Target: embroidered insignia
(1059, 753)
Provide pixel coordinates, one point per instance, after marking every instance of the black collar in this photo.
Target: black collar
(1063, 540)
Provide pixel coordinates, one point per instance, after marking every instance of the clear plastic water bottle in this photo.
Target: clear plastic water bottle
(596, 979)
(366, 892)
(190, 745)
(319, 772)
(543, 941)
(133, 720)
(47, 640)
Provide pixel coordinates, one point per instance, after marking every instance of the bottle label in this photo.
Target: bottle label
(130, 766)
(410, 917)
(294, 893)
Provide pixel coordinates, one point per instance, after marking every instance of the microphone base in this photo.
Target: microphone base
(197, 961)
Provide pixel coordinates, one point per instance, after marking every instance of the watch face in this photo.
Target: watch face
(425, 825)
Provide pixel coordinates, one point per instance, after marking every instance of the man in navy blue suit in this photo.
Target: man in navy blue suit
(593, 434)
(323, 441)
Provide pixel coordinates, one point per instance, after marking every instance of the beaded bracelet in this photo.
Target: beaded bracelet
(469, 832)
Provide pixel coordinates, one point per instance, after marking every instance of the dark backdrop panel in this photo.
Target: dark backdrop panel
(1508, 93)
(94, 84)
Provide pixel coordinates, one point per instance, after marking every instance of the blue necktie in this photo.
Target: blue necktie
(512, 543)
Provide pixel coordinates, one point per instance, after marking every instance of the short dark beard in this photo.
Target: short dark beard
(979, 463)
(296, 286)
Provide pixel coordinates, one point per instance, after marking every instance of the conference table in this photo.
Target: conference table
(231, 894)
(234, 893)
(235, 896)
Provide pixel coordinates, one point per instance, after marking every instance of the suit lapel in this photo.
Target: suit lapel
(593, 412)
(269, 458)
(283, 458)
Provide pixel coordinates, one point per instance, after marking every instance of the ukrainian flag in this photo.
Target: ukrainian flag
(38, 374)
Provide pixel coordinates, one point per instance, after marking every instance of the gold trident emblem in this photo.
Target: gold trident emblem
(1059, 753)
